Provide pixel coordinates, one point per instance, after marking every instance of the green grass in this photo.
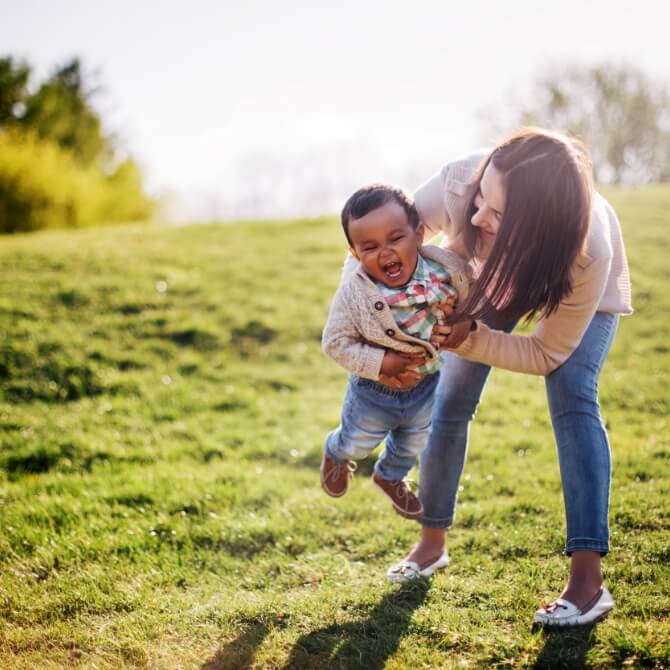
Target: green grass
(163, 401)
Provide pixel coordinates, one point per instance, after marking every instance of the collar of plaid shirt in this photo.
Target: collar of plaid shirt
(429, 284)
(413, 305)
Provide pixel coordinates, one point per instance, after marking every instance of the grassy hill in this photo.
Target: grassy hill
(163, 401)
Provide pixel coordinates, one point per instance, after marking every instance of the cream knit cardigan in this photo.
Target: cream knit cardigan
(600, 280)
(360, 324)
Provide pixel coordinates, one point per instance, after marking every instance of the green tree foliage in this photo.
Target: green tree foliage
(57, 166)
(60, 111)
(13, 89)
(43, 185)
(619, 111)
(125, 199)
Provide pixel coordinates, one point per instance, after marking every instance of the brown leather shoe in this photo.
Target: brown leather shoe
(403, 500)
(335, 475)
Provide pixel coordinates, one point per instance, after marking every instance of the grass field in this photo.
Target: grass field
(163, 401)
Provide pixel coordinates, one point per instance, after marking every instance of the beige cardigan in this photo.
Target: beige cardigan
(600, 279)
(361, 327)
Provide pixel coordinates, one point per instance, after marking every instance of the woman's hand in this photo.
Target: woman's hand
(398, 369)
(450, 337)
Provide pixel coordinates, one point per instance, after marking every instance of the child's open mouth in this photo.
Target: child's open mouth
(393, 270)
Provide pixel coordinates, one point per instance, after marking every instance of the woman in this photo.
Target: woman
(543, 244)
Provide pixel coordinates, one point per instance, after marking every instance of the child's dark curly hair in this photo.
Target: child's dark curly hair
(371, 197)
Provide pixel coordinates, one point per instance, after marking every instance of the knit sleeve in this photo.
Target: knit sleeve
(343, 342)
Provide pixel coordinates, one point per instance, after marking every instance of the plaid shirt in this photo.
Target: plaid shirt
(414, 306)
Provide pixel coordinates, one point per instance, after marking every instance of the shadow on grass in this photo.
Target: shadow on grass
(565, 648)
(240, 652)
(367, 643)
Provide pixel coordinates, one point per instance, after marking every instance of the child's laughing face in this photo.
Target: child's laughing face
(386, 244)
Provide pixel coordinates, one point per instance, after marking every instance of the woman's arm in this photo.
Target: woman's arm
(554, 337)
(441, 199)
(429, 200)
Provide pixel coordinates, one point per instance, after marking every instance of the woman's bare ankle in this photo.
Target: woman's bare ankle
(430, 546)
(585, 580)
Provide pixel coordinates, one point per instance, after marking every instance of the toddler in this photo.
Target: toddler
(378, 329)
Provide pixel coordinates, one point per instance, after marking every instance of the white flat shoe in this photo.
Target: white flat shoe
(406, 571)
(563, 613)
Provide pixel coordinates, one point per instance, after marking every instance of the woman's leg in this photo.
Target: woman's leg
(584, 456)
(441, 464)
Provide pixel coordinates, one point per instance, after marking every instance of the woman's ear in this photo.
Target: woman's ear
(352, 251)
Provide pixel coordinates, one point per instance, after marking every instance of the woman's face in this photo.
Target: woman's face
(490, 204)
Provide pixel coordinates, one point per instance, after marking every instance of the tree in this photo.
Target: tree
(620, 112)
(14, 78)
(60, 110)
(57, 165)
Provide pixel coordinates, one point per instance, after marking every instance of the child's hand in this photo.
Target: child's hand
(397, 363)
(447, 306)
(405, 380)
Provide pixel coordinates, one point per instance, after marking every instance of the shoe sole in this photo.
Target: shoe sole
(537, 625)
(598, 619)
(398, 510)
(576, 624)
(404, 516)
(427, 572)
(330, 493)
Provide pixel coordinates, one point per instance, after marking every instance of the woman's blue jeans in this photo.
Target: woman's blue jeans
(581, 438)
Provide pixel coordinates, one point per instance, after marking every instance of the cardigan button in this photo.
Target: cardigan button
(390, 332)
(379, 305)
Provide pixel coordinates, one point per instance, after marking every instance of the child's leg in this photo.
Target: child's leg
(408, 439)
(367, 416)
(404, 443)
(364, 423)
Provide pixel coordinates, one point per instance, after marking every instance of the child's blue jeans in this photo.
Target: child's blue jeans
(581, 438)
(372, 413)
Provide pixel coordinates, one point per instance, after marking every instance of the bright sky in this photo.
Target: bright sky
(274, 108)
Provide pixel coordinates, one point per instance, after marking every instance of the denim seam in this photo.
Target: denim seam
(444, 522)
(587, 544)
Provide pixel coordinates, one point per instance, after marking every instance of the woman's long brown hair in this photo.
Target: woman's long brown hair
(548, 182)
